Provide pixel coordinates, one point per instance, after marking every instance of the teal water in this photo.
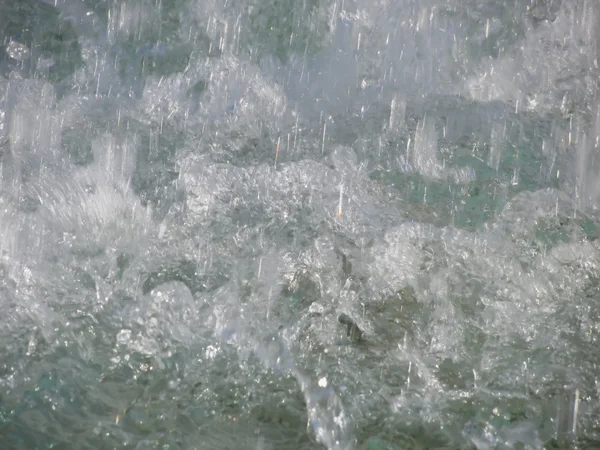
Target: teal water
(299, 224)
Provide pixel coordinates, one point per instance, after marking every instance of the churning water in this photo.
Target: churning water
(299, 224)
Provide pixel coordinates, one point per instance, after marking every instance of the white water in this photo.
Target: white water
(268, 225)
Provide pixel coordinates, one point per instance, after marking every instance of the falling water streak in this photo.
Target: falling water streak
(259, 268)
(392, 108)
(575, 204)
(296, 131)
(408, 377)
(570, 129)
(341, 200)
(323, 142)
(269, 302)
(575, 411)
(277, 151)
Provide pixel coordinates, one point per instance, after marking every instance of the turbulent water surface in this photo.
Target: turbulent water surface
(299, 224)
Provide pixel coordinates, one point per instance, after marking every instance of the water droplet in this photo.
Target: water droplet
(211, 352)
(124, 337)
(17, 51)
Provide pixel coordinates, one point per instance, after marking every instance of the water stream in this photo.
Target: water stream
(299, 224)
